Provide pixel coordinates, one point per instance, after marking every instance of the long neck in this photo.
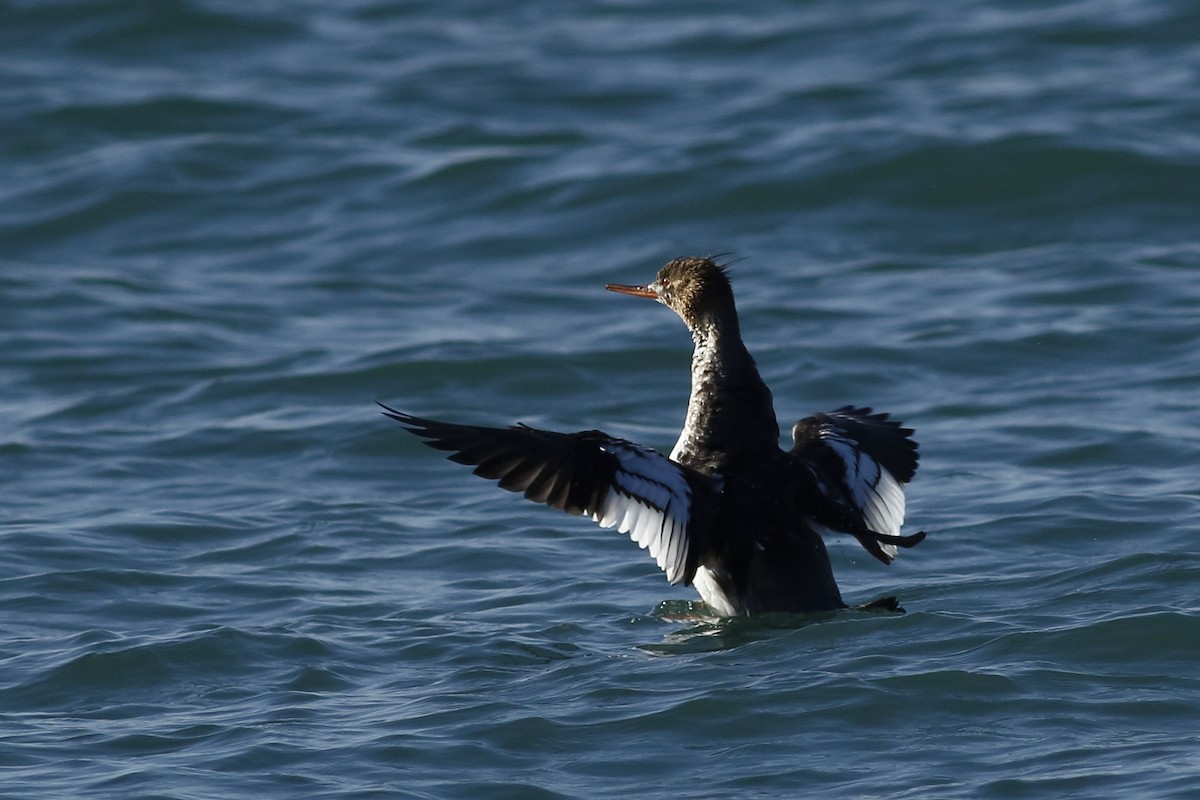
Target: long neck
(730, 412)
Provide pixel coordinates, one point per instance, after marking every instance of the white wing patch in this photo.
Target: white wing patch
(651, 501)
(875, 491)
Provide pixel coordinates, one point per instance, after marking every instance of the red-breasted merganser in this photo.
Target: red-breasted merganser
(728, 512)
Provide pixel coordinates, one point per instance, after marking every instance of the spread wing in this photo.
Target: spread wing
(617, 483)
(861, 462)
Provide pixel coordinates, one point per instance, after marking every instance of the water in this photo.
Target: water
(226, 230)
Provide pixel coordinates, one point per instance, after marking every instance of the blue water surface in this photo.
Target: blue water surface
(227, 229)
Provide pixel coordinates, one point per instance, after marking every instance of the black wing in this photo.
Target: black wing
(617, 483)
(861, 462)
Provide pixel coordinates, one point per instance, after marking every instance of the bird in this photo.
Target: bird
(728, 511)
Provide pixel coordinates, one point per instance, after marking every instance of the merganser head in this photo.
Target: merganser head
(697, 289)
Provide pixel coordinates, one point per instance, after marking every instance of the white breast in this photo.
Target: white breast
(712, 594)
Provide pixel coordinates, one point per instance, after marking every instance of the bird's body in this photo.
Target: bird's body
(729, 511)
